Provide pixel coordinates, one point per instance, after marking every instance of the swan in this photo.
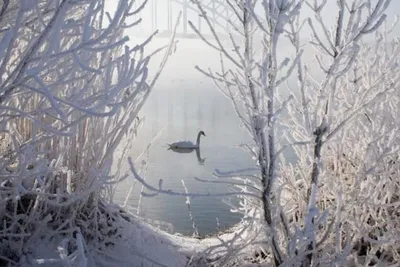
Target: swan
(187, 144)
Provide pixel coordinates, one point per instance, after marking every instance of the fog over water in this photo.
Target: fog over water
(184, 102)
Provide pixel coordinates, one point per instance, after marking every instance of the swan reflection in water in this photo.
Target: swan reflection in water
(189, 150)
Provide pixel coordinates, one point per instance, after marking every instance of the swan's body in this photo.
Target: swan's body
(187, 144)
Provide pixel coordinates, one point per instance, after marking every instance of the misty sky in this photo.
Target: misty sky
(161, 12)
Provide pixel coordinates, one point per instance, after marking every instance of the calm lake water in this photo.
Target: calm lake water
(182, 111)
(183, 103)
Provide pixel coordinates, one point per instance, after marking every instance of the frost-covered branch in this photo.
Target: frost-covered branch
(71, 90)
(160, 190)
(336, 118)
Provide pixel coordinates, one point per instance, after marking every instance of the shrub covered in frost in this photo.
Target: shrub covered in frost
(337, 203)
(71, 89)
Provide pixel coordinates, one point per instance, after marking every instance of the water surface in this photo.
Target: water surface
(183, 103)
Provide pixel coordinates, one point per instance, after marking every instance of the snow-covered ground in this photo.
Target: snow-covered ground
(139, 244)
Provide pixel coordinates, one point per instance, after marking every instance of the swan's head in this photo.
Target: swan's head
(202, 133)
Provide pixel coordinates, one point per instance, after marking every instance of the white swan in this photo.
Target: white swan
(187, 144)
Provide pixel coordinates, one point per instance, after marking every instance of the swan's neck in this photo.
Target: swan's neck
(198, 139)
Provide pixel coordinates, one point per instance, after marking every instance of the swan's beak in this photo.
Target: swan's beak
(204, 134)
